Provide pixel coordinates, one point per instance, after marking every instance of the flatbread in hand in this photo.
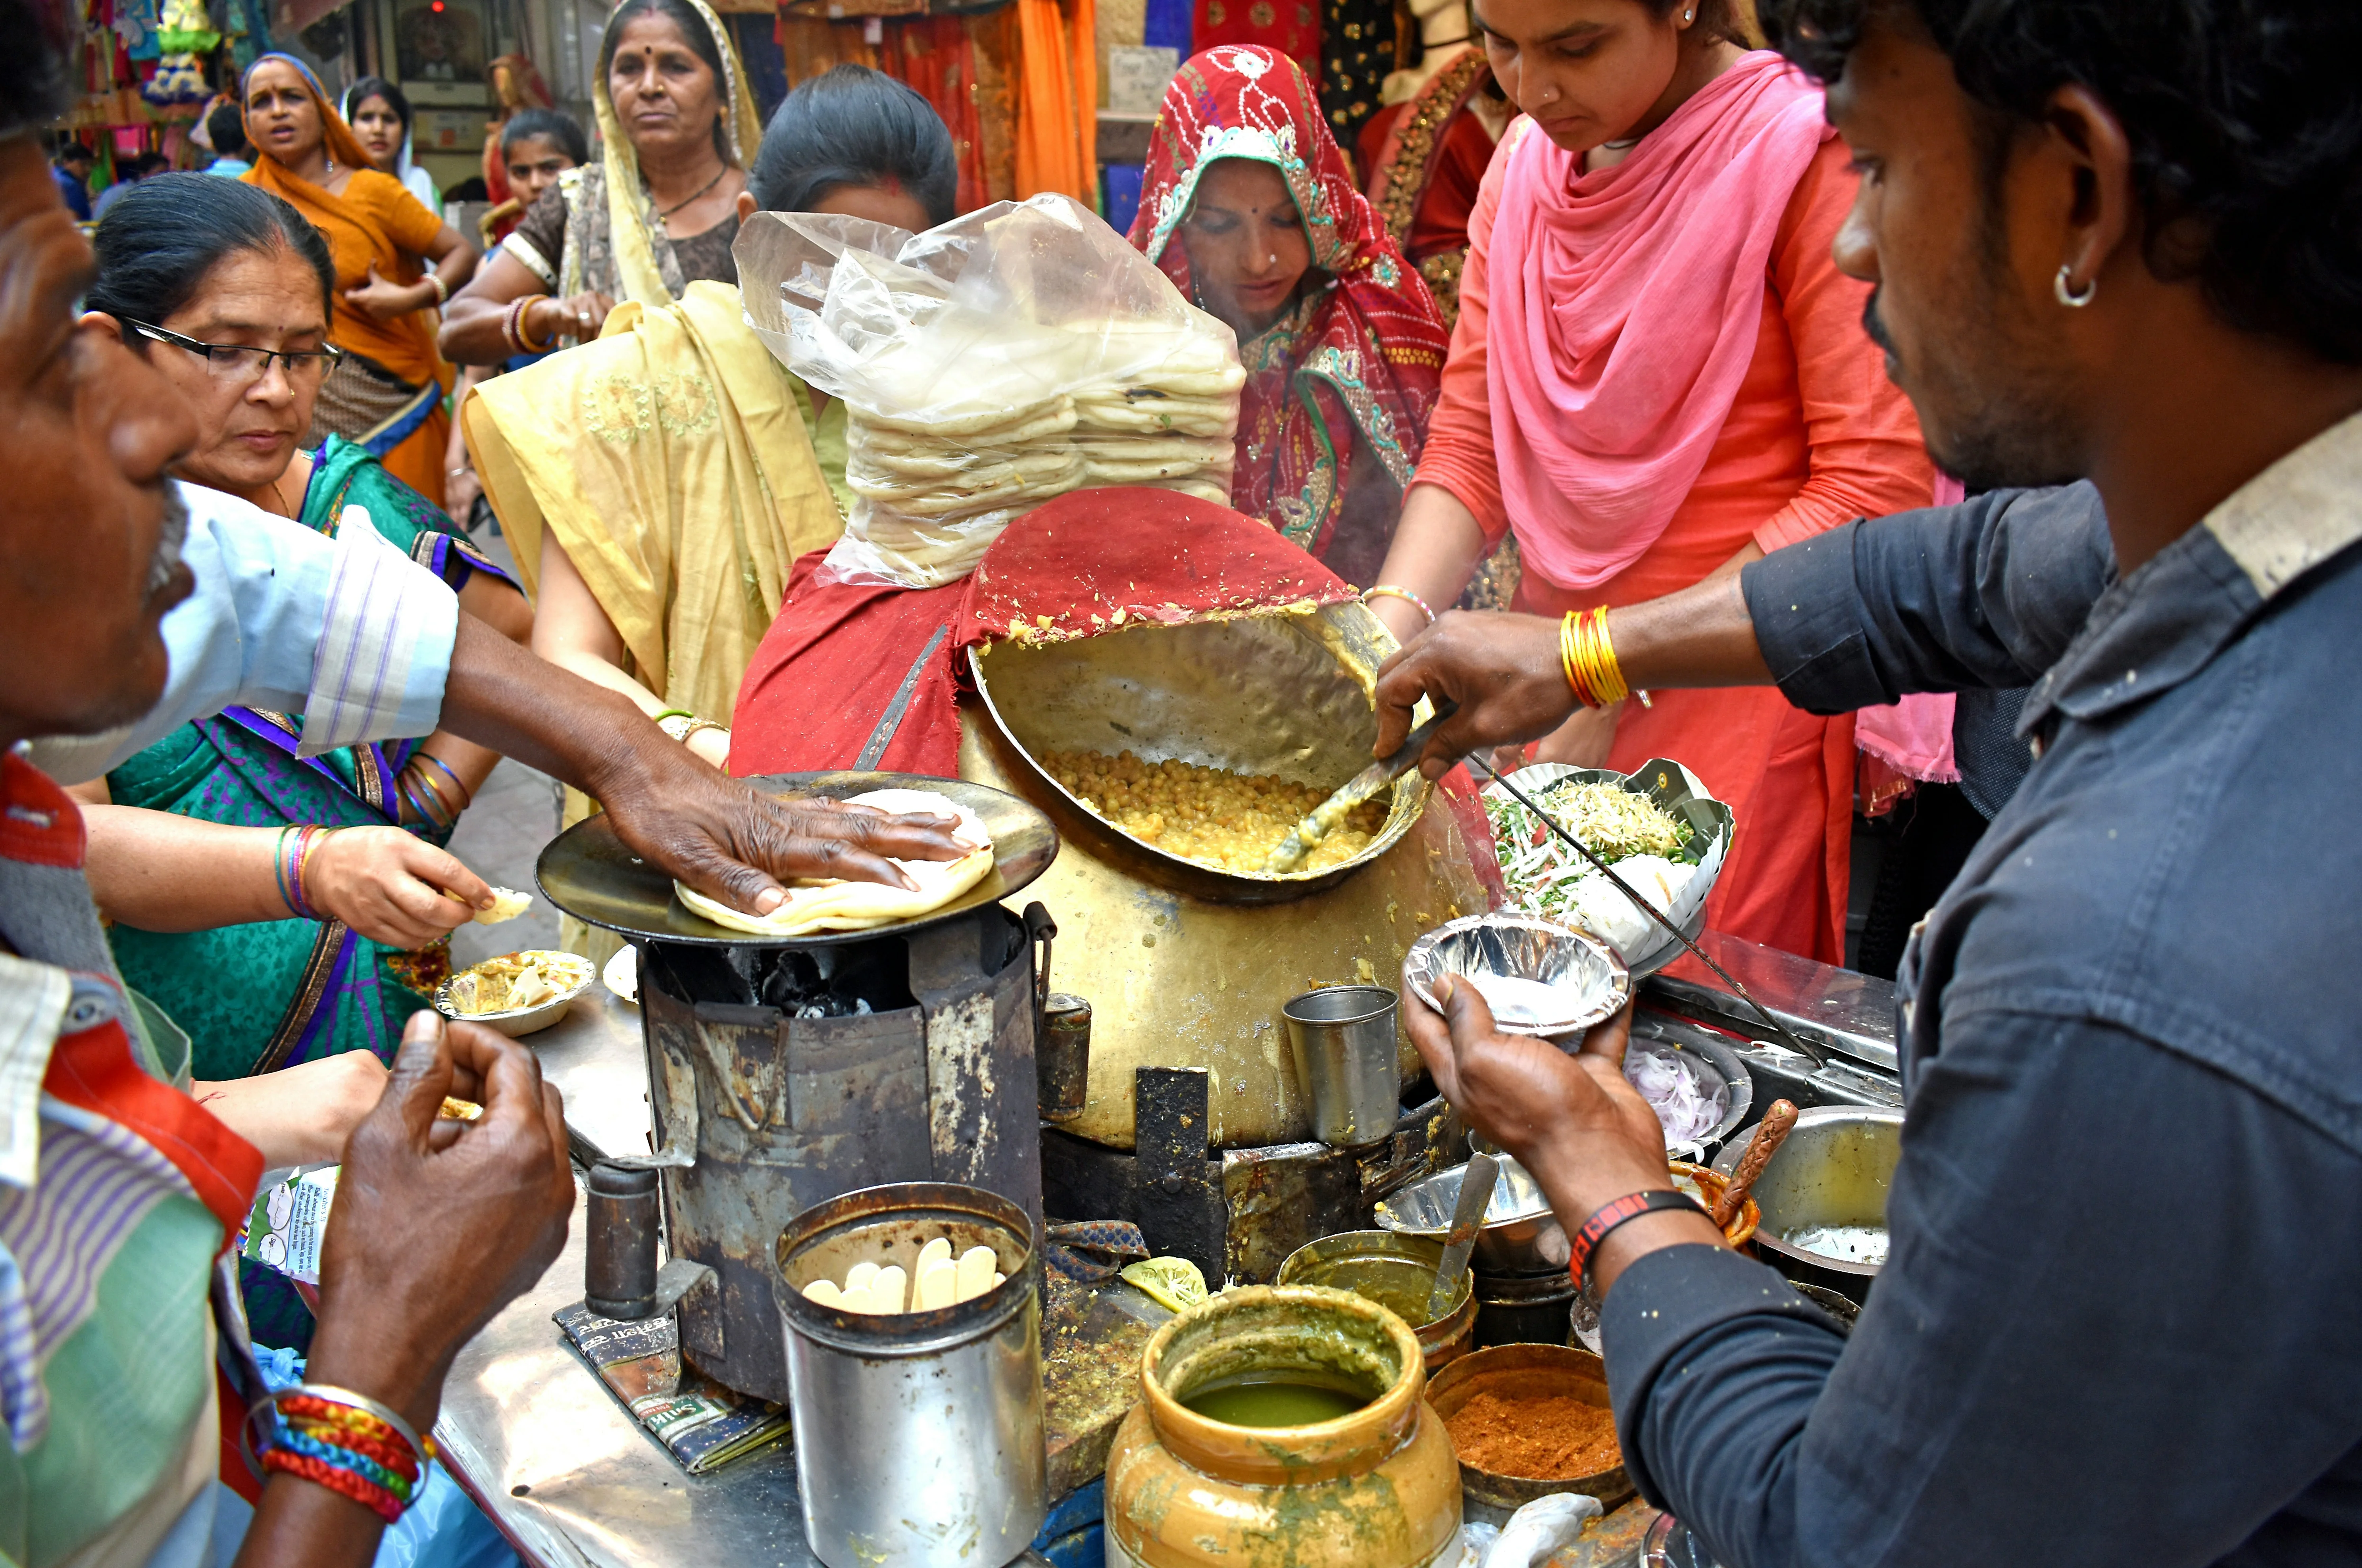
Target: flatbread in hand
(507, 905)
(837, 905)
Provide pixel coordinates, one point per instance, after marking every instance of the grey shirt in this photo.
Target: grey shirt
(2118, 1321)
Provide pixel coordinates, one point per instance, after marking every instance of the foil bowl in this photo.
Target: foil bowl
(1583, 973)
(1520, 1235)
(522, 1020)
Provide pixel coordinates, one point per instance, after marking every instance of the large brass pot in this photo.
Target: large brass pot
(1184, 966)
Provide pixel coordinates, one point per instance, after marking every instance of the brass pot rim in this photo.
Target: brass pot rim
(1408, 796)
(1319, 1451)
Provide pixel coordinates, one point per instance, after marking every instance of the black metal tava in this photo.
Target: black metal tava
(589, 873)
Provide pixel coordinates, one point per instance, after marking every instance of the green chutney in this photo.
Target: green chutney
(1275, 1401)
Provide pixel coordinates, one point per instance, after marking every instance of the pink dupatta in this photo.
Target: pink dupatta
(1625, 306)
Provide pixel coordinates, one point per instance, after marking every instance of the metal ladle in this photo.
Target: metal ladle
(1476, 1183)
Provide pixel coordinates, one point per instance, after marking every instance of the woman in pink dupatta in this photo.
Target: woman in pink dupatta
(1663, 376)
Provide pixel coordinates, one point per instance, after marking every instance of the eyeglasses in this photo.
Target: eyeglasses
(237, 363)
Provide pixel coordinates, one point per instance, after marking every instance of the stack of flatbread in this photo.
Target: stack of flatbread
(862, 906)
(1155, 407)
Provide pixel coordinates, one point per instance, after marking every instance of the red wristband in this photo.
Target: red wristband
(1585, 1241)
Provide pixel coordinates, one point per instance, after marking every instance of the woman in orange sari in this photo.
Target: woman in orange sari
(1659, 374)
(396, 262)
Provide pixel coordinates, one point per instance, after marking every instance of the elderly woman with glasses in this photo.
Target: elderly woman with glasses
(289, 911)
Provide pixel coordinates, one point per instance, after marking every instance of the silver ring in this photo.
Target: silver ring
(583, 317)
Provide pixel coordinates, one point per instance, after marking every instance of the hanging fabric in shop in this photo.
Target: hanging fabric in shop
(1166, 25)
(1291, 26)
(1057, 106)
(949, 61)
(1358, 51)
(936, 58)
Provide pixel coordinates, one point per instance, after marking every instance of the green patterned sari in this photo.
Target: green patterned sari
(269, 995)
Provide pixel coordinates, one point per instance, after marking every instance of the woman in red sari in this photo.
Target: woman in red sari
(1659, 374)
(1248, 206)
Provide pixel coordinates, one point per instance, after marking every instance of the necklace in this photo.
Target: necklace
(1443, 43)
(284, 509)
(1627, 143)
(701, 190)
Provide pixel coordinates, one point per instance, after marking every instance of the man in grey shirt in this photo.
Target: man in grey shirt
(2113, 239)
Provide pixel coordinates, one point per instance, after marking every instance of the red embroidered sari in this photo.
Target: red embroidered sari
(1363, 348)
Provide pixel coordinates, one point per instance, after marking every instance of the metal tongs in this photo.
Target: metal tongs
(1325, 816)
(1650, 910)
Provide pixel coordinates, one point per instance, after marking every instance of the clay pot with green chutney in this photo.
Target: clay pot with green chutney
(1282, 1426)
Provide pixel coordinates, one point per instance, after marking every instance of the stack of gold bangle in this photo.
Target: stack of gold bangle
(1588, 657)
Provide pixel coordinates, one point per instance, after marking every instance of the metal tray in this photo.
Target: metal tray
(588, 872)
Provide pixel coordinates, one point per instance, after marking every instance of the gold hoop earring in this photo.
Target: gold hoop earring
(2070, 297)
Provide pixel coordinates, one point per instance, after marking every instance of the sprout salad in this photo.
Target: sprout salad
(1544, 874)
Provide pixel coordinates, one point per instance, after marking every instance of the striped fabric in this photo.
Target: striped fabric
(378, 599)
(98, 1182)
(33, 999)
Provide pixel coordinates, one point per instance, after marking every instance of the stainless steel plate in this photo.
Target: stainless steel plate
(1520, 1234)
(588, 871)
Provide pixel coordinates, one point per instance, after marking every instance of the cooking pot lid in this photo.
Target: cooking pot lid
(588, 872)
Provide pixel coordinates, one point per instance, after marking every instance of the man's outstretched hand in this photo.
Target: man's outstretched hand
(733, 843)
(1502, 669)
(675, 811)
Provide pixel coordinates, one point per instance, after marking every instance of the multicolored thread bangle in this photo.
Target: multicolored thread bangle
(369, 1495)
(343, 1404)
(346, 1443)
(1388, 590)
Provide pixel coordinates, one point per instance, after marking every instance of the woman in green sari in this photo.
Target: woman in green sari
(272, 946)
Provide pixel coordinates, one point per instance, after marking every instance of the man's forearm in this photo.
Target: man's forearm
(501, 696)
(1698, 636)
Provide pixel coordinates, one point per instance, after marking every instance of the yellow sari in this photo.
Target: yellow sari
(672, 458)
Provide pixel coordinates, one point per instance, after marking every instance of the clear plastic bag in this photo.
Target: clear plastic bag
(1009, 356)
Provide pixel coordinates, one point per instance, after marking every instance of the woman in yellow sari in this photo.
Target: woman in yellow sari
(657, 483)
(395, 262)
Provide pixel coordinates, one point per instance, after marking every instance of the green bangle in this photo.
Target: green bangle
(671, 714)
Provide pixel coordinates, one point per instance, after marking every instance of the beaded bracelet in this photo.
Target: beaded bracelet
(1388, 590)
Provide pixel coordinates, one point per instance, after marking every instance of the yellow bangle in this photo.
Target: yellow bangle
(1595, 654)
(1567, 665)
